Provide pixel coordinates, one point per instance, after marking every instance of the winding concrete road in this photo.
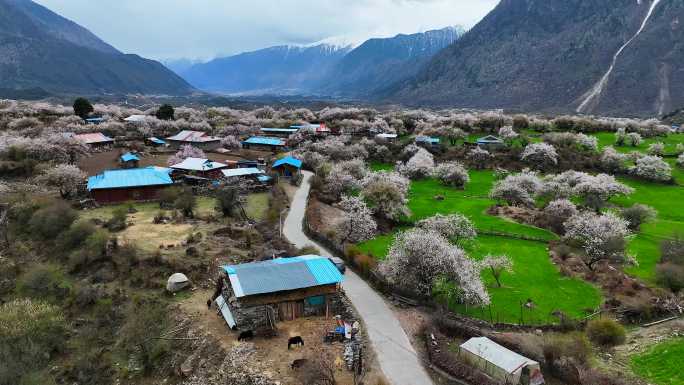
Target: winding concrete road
(396, 356)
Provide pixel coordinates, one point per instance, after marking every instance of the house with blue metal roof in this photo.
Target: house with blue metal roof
(287, 166)
(129, 160)
(257, 294)
(427, 140)
(136, 184)
(490, 142)
(264, 143)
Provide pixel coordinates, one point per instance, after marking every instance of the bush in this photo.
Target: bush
(48, 222)
(144, 318)
(365, 263)
(672, 250)
(574, 345)
(670, 276)
(606, 332)
(118, 220)
(75, 236)
(638, 214)
(43, 281)
(30, 332)
(168, 196)
(186, 203)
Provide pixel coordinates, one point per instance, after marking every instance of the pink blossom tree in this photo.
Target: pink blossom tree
(479, 157)
(66, 177)
(541, 156)
(652, 168)
(386, 194)
(357, 223)
(613, 161)
(185, 152)
(452, 174)
(230, 142)
(418, 258)
(497, 265)
(455, 227)
(601, 237)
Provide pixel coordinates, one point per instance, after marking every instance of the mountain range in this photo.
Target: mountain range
(42, 50)
(325, 69)
(552, 55)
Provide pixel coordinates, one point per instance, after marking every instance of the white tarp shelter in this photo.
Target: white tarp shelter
(177, 282)
(501, 363)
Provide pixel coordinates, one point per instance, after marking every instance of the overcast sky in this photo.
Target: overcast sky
(169, 29)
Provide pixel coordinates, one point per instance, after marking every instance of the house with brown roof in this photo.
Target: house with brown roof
(95, 139)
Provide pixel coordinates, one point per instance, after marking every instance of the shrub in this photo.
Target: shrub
(606, 332)
(365, 263)
(43, 281)
(30, 332)
(574, 345)
(48, 222)
(671, 276)
(186, 203)
(144, 320)
(118, 220)
(227, 201)
(168, 196)
(75, 235)
(638, 214)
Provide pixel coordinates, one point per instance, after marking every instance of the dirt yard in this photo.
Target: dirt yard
(272, 353)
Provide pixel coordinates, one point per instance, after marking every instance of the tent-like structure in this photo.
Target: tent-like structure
(177, 282)
(501, 363)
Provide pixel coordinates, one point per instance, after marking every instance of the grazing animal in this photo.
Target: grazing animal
(295, 341)
(246, 335)
(209, 304)
(296, 364)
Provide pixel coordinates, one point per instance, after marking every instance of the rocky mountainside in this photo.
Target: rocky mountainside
(40, 49)
(278, 69)
(377, 63)
(550, 55)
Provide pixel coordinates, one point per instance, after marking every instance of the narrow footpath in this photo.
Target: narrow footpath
(398, 360)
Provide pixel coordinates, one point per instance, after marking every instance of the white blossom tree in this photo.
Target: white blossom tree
(601, 237)
(507, 133)
(357, 223)
(455, 227)
(185, 152)
(613, 161)
(452, 174)
(680, 160)
(517, 189)
(558, 212)
(679, 148)
(634, 139)
(66, 177)
(421, 165)
(479, 157)
(656, 149)
(595, 191)
(386, 194)
(496, 265)
(652, 168)
(418, 258)
(620, 136)
(541, 156)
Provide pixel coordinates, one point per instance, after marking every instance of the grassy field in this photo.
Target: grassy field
(608, 139)
(534, 274)
(667, 200)
(380, 166)
(662, 364)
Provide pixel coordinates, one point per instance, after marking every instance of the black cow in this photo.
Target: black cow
(246, 335)
(296, 364)
(209, 304)
(295, 341)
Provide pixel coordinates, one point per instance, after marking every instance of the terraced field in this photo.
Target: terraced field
(662, 364)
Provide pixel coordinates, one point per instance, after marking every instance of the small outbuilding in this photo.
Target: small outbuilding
(137, 184)
(279, 132)
(129, 160)
(386, 137)
(264, 143)
(247, 173)
(490, 142)
(204, 168)
(500, 363)
(261, 293)
(197, 139)
(427, 141)
(155, 142)
(287, 166)
(135, 119)
(95, 139)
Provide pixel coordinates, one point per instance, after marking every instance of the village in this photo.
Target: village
(344, 246)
